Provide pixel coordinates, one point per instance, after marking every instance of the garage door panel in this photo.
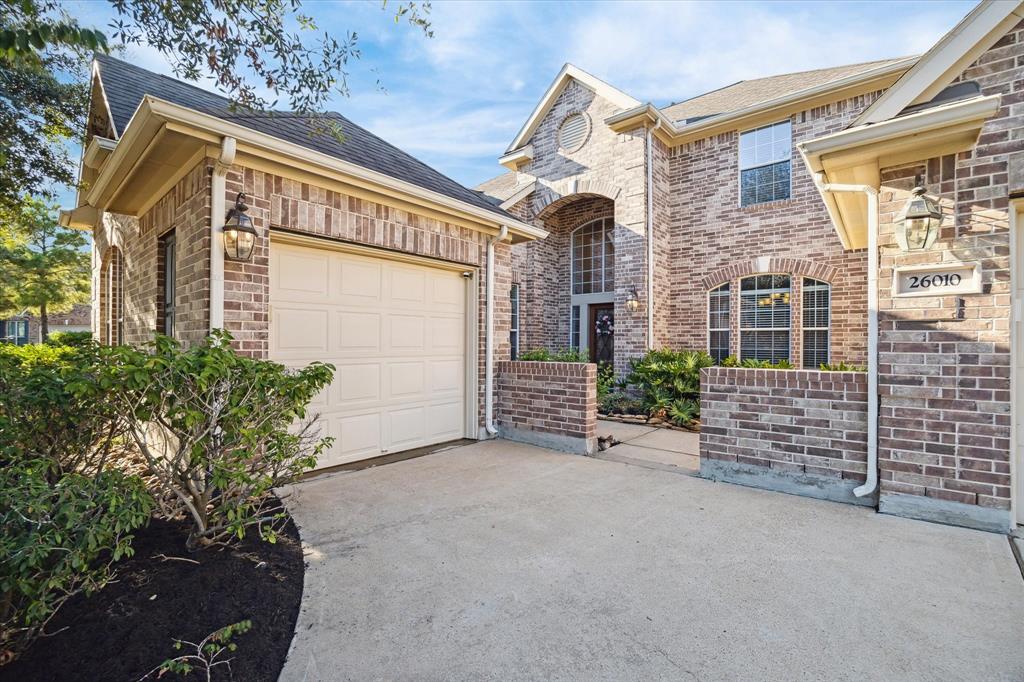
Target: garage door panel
(298, 331)
(359, 280)
(301, 276)
(357, 384)
(395, 333)
(359, 331)
(407, 332)
(406, 380)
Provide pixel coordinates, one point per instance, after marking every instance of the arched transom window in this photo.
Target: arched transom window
(593, 257)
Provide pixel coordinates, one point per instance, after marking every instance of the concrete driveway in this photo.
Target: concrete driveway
(509, 562)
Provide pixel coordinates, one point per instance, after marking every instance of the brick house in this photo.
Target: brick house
(26, 328)
(764, 220)
(363, 256)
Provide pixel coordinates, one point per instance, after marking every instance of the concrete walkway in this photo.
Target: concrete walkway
(507, 562)
(651, 446)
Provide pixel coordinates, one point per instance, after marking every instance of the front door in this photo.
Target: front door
(602, 333)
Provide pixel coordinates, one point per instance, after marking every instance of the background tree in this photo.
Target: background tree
(46, 268)
(258, 53)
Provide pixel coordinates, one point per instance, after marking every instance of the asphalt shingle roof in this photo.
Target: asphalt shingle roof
(748, 93)
(126, 84)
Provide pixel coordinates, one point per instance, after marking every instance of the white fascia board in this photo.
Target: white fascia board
(519, 195)
(103, 91)
(569, 72)
(217, 126)
(955, 51)
(517, 156)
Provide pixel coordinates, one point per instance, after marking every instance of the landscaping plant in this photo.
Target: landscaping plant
(668, 383)
(219, 431)
(204, 656)
(561, 355)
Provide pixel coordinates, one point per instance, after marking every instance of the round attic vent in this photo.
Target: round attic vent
(573, 132)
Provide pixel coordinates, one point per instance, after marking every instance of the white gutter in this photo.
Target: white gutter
(650, 234)
(871, 484)
(489, 335)
(218, 211)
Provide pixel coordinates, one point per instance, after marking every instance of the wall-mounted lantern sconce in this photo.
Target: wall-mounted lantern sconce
(633, 300)
(919, 222)
(239, 234)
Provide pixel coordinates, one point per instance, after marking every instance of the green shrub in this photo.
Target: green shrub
(620, 402)
(218, 430)
(75, 339)
(561, 355)
(730, 361)
(52, 407)
(605, 380)
(751, 363)
(840, 367)
(59, 539)
(669, 382)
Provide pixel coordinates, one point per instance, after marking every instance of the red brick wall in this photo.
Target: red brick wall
(944, 372)
(548, 403)
(807, 424)
(710, 234)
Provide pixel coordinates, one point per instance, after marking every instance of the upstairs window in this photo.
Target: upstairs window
(815, 307)
(169, 284)
(593, 257)
(765, 155)
(764, 318)
(718, 323)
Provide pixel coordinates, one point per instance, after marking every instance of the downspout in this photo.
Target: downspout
(650, 234)
(489, 426)
(871, 484)
(218, 211)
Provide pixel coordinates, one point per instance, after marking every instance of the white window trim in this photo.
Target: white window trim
(728, 328)
(787, 329)
(805, 328)
(740, 168)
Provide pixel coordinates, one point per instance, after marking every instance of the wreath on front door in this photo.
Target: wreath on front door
(604, 326)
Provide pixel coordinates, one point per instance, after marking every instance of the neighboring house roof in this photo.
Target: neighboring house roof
(568, 73)
(752, 92)
(125, 85)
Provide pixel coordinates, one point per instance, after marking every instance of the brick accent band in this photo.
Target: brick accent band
(552, 404)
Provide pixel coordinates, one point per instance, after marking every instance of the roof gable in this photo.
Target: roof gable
(126, 85)
(954, 52)
(568, 73)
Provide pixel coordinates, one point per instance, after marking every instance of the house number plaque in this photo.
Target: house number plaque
(941, 279)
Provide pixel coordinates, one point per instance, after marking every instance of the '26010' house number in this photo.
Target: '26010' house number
(939, 279)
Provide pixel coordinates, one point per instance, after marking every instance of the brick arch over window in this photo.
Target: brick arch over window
(793, 266)
(566, 192)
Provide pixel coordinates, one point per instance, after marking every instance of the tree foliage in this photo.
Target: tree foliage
(46, 267)
(259, 53)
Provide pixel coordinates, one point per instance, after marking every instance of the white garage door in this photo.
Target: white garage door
(394, 331)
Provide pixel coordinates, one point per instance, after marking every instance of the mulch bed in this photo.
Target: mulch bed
(129, 627)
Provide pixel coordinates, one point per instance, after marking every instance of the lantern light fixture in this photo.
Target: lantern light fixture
(239, 233)
(633, 300)
(919, 222)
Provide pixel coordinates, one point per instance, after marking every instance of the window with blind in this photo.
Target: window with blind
(718, 323)
(765, 156)
(593, 257)
(764, 317)
(815, 296)
(513, 334)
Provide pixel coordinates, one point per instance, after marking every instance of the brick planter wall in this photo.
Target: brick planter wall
(551, 404)
(795, 431)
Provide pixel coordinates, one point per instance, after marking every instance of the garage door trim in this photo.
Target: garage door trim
(472, 332)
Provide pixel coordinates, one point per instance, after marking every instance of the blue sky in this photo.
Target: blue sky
(457, 100)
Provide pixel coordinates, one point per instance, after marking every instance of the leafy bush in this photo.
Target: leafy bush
(669, 383)
(74, 339)
(218, 430)
(59, 539)
(53, 408)
(620, 402)
(841, 367)
(750, 363)
(605, 380)
(204, 655)
(561, 355)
